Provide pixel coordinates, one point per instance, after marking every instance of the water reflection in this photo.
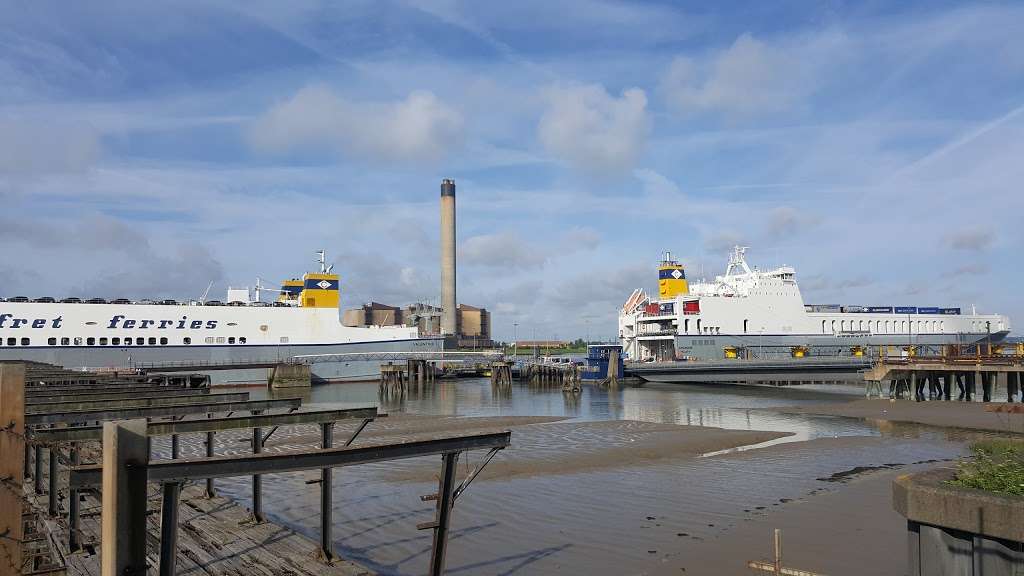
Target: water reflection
(594, 520)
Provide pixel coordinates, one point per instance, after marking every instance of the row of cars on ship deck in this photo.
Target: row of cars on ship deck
(72, 300)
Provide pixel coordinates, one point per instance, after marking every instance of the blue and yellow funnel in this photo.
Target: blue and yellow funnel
(319, 290)
(671, 279)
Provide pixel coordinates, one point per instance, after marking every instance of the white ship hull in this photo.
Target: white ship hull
(106, 336)
(753, 313)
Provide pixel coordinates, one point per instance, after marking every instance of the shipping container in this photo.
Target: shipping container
(929, 310)
(651, 309)
(882, 309)
(691, 307)
(954, 311)
(906, 310)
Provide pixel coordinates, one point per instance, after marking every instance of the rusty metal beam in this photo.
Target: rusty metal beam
(156, 411)
(273, 463)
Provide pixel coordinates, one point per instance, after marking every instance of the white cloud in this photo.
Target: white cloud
(970, 240)
(42, 146)
(593, 131)
(748, 77)
(505, 250)
(416, 129)
(785, 221)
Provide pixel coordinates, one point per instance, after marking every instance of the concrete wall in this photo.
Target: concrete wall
(957, 531)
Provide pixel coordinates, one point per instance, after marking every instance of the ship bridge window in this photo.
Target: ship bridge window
(90, 341)
(231, 339)
(152, 341)
(103, 341)
(12, 341)
(65, 341)
(25, 342)
(163, 341)
(51, 341)
(186, 340)
(115, 341)
(140, 341)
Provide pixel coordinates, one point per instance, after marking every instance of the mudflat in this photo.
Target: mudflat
(968, 415)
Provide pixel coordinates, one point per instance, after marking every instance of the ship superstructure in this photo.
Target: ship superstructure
(762, 313)
(304, 319)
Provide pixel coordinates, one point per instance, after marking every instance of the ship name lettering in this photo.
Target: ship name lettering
(33, 323)
(121, 321)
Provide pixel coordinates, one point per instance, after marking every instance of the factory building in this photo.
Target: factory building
(472, 324)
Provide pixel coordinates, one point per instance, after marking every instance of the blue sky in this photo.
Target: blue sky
(148, 148)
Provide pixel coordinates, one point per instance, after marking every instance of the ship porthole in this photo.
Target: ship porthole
(264, 327)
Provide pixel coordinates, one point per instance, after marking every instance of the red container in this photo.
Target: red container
(651, 309)
(691, 307)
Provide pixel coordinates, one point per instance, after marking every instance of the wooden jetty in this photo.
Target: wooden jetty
(49, 511)
(922, 377)
(567, 375)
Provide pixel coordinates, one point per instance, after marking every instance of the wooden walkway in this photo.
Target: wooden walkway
(215, 537)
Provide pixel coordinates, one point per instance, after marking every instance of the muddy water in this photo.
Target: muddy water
(610, 520)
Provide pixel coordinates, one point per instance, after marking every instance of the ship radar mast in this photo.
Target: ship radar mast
(325, 268)
(737, 262)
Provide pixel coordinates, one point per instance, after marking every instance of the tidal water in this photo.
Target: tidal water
(594, 521)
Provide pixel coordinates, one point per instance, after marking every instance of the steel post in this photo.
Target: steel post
(52, 496)
(175, 447)
(326, 506)
(445, 500)
(169, 528)
(210, 491)
(37, 474)
(74, 519)
(257, 480)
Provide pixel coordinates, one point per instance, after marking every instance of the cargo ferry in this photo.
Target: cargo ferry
(752, 313)
(303, 319)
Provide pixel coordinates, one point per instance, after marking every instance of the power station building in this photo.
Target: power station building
(472, 324)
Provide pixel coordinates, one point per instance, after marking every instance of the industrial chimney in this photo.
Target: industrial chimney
(448, 305)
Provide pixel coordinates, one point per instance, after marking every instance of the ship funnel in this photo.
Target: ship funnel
(671, 279)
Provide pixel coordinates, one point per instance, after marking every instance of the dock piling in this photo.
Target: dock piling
(445, 500)
(12, 439)
(257, 480)
(169, 528)
(326, 506)
(123, 536)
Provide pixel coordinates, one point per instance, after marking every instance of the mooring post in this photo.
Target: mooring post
(123, 535)
(947, 386)
(326, 507)
(169, 528)
(12, 446)
(257, 480)
(210, 491)
(74, 519)
(445, 501)
(175, 447)
(52, 496)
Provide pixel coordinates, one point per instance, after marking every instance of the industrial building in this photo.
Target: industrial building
(472, 324)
